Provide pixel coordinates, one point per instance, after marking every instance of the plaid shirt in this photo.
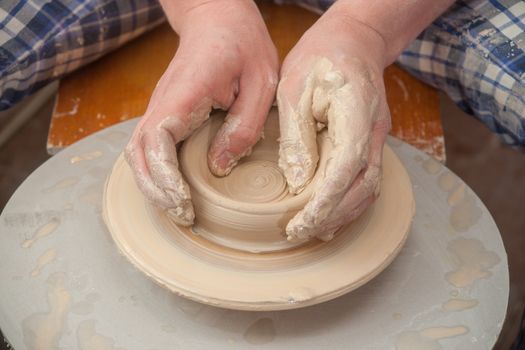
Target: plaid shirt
(43, 40)
(474, 52)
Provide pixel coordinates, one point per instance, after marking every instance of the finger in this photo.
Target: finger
(350, 215)
(364, 190)
(328, 81)
(244, 124)
(161, 158)
(134, 154)
(298, 155)
(352, 110)
(298, 147)
(153, 151)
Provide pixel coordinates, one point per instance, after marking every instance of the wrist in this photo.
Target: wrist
(357, 36)
(183, 14)
(397, 22)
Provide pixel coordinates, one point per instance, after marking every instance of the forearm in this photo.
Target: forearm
(397, 22)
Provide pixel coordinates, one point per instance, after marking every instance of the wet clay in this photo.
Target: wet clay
(236, 255)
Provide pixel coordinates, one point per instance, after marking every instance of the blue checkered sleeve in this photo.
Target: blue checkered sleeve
(44, 40)
(475, 52)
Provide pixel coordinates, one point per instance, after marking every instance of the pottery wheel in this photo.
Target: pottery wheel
(65, 284)
(236, 255)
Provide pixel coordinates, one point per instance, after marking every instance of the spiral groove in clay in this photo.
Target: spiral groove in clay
(258, 181)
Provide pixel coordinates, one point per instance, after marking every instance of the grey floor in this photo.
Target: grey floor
(494, 171)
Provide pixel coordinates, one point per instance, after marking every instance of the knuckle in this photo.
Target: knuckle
(247, 136)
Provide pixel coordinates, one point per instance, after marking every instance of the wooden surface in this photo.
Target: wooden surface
(118, 86)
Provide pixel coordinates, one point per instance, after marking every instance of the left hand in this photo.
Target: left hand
(225, 59)
(333, 76)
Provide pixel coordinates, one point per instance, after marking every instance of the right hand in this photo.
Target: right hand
(333, 77)
(225, 60)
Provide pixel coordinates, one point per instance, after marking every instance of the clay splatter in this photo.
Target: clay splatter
(456, 304)
(89, 339)
(446, 181)
(74, 108)
(47, 257)
(44, 330)
(86, 156)
(260, 332)
(427, 339)
(464, 212)
(473, 262)
(43, 231)
(431, 166)
(456, 196)
(443, 332)
(70, 181)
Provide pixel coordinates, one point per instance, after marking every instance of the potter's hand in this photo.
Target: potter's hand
(225, 59)
(333, 77)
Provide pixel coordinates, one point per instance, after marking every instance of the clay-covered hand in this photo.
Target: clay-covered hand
(225, 60)
(333, 77)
